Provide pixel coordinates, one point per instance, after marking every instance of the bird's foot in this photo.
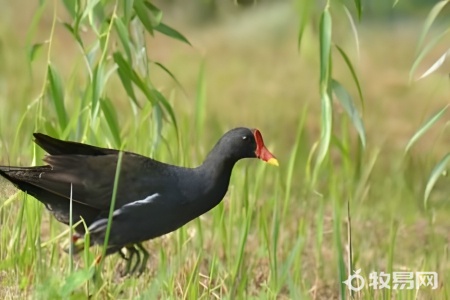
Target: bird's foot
(136, 262)
(133, 255)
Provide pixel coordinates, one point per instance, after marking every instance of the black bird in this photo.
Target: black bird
(153, 198)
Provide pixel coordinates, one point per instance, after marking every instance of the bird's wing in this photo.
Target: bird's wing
(90, 179)
(58, 147)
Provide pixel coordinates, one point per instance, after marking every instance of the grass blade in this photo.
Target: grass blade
(169, 31)
(111, 120)
(97, 87)
(141, 13)
(338, 245)
(155, 12)
(112, 207)
(71, 229)
(325, 132)
(57, 96)
(424, 128)
(165, 103)
(435, 66)
(74, 281)
(354, 30)
(434, 12)
(424, 52)
(325, 70)
(148, 14)
(74, 32)
(128, 12)
(325, 48)
(305, 7)
(391, 252)
(353, 72)
(125, 73)
(71, 7)
(33, 51)
(292, 160)
(346, 100)
(192, 284)
(170, 74)
(349, 241)
(34, 26)
(358, 9)
(434, 176)
(124, 37)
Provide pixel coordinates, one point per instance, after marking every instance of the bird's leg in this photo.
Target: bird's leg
(122, 255)
(133, 253)
(145, 256)
(138, 260)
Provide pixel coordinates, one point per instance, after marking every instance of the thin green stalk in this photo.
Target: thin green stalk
(337, 221)
(71, 229)
(391, 251)
(292, 161)
(349, 243)
(111, 208)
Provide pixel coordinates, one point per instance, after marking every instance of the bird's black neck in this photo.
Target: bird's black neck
(214, 175)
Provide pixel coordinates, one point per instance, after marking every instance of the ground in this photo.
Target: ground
(274, 235)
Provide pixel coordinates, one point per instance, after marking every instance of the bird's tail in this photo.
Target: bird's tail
(5, 169)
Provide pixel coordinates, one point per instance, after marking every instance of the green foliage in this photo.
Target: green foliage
(110, 22)
(280, 233)
(425, 127)
(329, 86)
(422, 48)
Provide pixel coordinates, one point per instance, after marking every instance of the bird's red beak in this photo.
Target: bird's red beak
(261, 150)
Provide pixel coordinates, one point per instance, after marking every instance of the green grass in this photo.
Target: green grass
(280, 233)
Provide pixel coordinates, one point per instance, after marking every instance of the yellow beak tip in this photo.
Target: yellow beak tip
(273, 161)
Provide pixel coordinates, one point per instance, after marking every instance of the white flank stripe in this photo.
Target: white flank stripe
(99, 223)
(137, 203)
(103, 222)
(147, 200)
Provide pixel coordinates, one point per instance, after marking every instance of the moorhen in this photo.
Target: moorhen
(153, 198)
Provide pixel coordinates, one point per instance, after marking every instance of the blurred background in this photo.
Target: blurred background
(246, 66)
(255, 73)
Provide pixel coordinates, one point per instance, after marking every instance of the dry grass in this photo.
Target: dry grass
(256, 76)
